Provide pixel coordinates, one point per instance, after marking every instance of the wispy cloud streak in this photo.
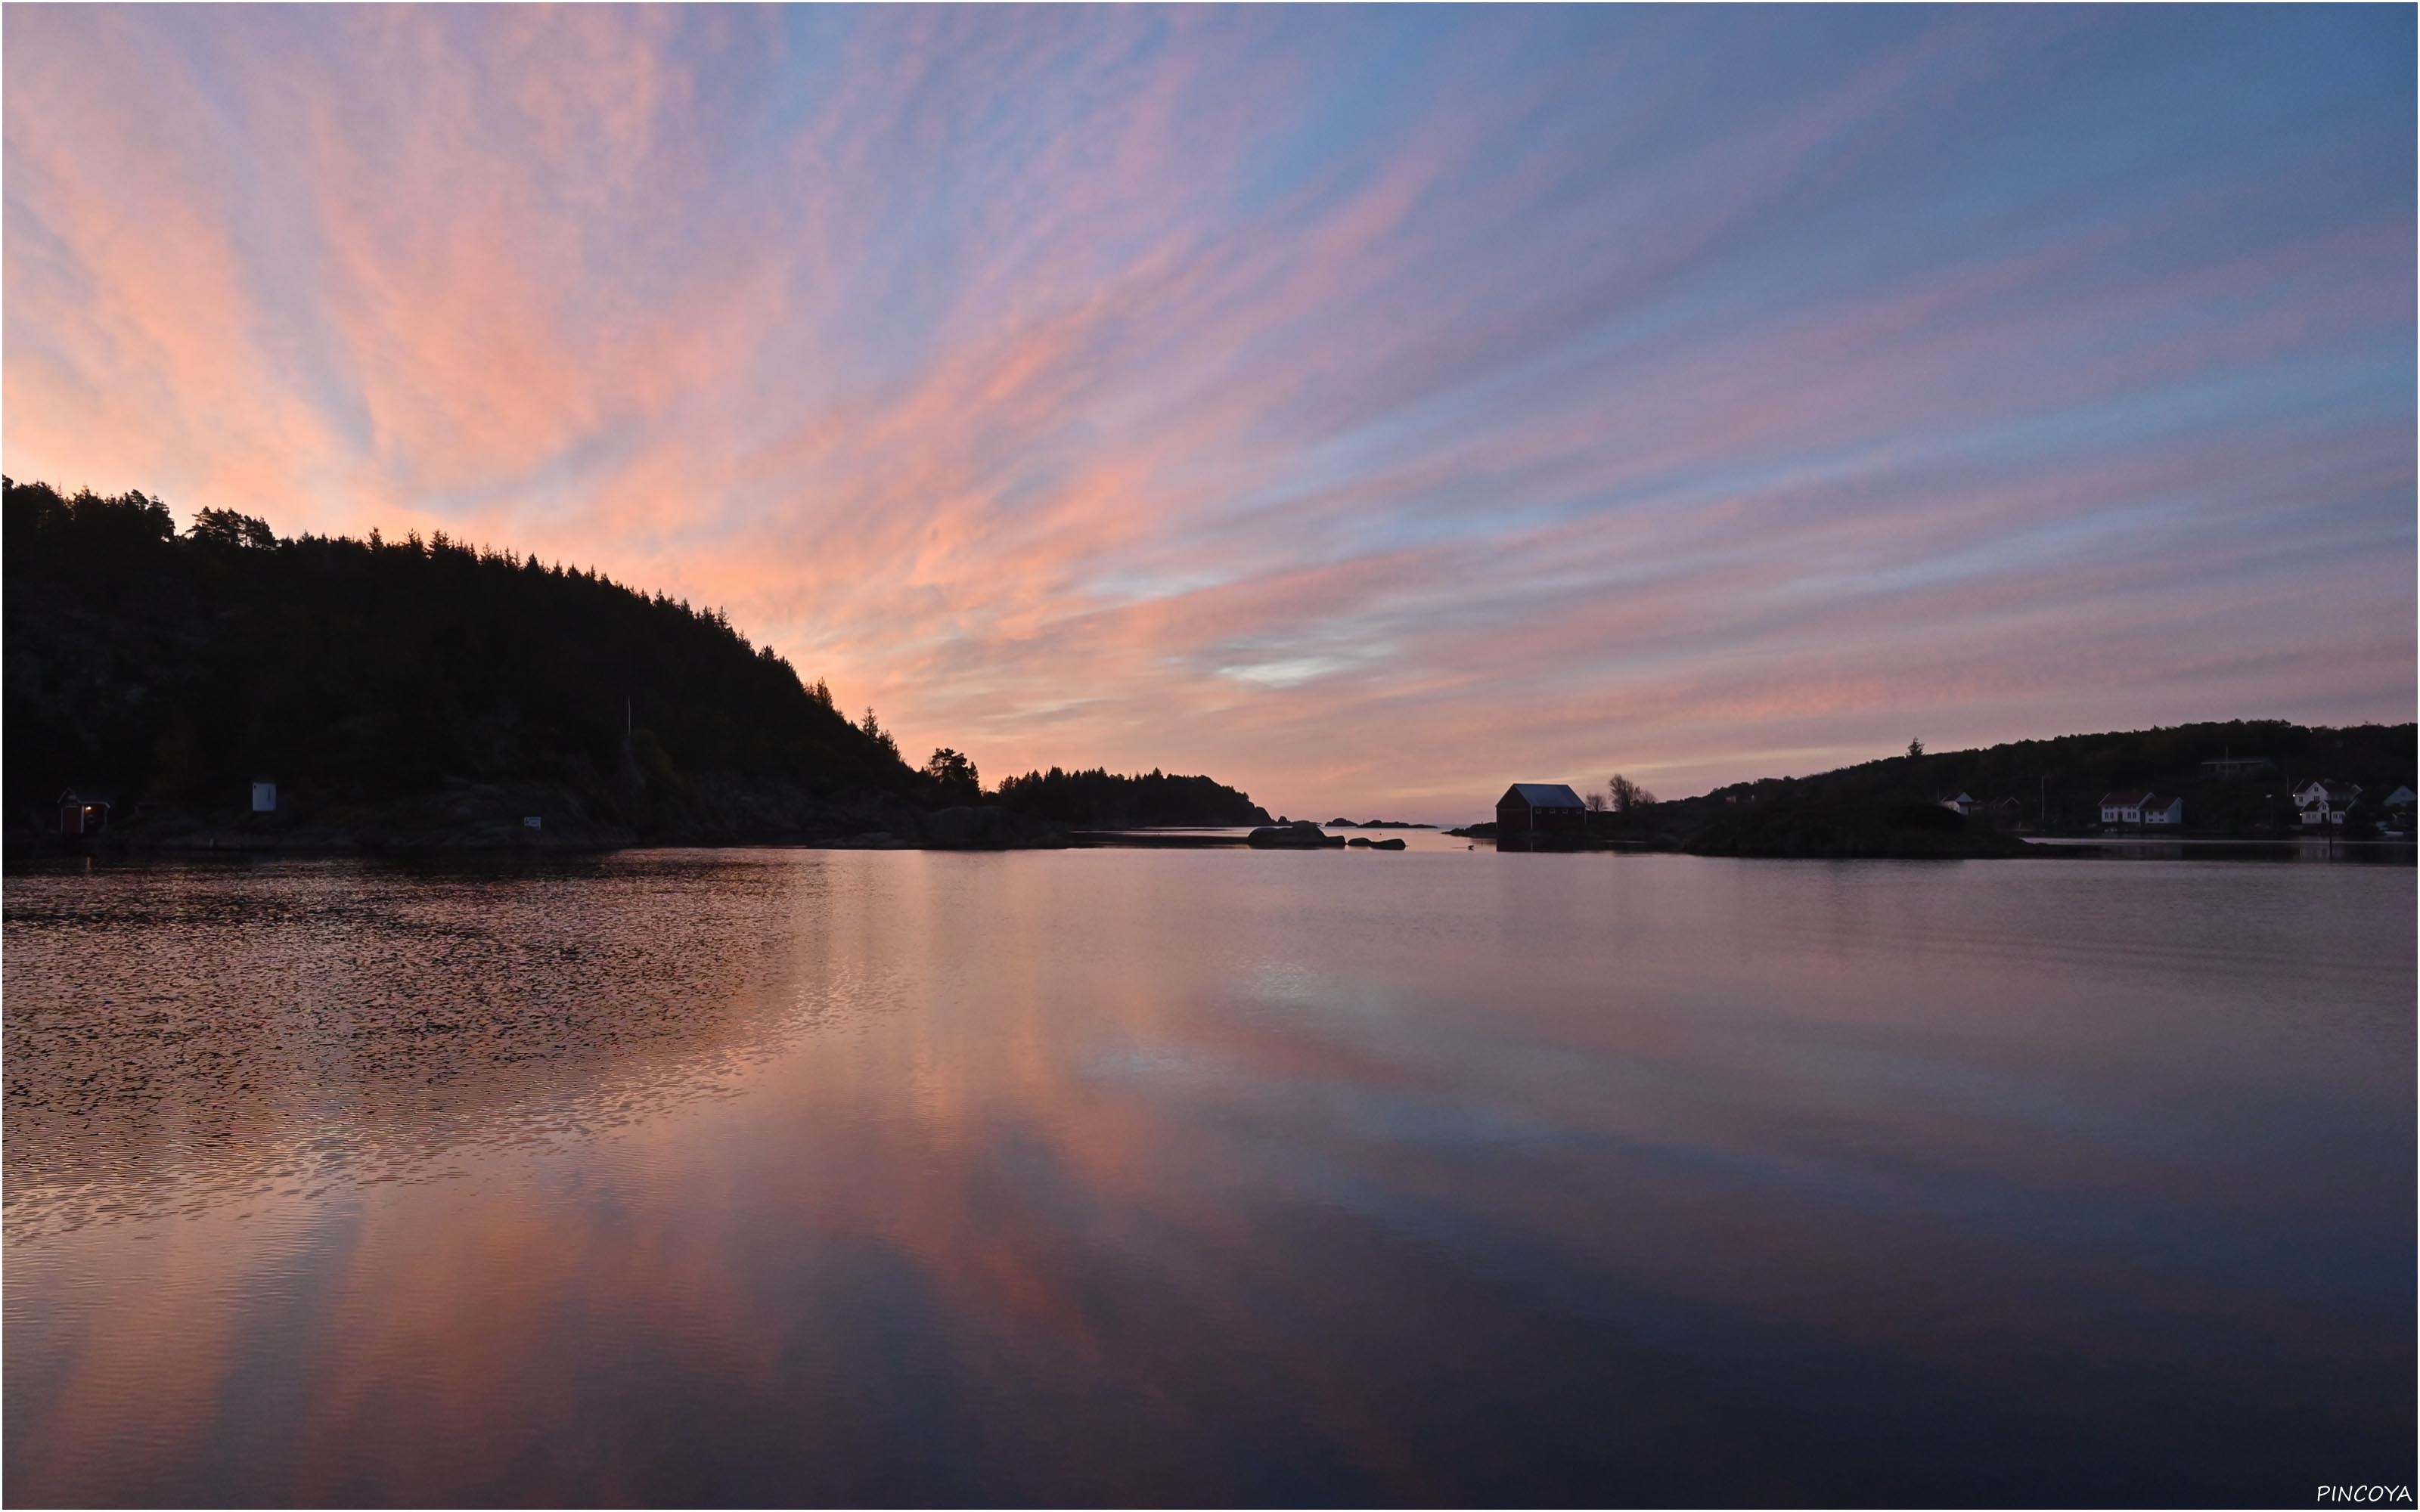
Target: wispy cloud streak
(1368, 407)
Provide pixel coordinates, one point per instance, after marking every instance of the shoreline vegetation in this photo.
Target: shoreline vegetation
(1787, 827)
(430, 695)
(2235, 778)
(413, 695)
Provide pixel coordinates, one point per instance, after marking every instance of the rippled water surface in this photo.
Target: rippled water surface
(1208, 1177)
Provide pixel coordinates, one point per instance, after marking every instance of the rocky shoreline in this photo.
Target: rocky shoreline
(546, 818)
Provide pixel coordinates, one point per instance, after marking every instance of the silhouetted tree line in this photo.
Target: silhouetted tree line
(1104, 799)
(953, 778)
(1621, 795)
(181, 667)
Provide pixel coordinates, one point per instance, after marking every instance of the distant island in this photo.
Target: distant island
(227, 688)
(1104, 800)
(2228, 780)
(1376, 823)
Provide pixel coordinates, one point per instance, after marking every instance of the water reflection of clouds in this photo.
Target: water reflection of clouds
(287, 1027)
(1103, 1198)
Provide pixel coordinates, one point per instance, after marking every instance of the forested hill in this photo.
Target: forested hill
(1108, 800)
(389, 686)
(2067, 774)
(1894, 805)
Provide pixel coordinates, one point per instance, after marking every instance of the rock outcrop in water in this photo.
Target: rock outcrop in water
(1302, 835)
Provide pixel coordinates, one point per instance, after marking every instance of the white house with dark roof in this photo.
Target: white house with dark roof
(2124, 807)
(2137, 806)
(2325, 802)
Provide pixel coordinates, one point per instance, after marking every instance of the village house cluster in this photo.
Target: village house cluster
(2322, 804)
(2334, 804)
(1999, 810)
(2140, 807)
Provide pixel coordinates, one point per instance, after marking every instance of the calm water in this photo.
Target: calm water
(1209, 1177)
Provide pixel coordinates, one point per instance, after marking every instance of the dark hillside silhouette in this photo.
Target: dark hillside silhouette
(180, 669)
(2066, 775)
(412, 692)
(1892, 806)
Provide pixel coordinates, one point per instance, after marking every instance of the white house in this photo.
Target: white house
(2160, 811)
(1963, 803)
(2326, 803)
(2398, 805)
(2124, 807)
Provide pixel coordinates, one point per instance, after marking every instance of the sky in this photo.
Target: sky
(1366, 406)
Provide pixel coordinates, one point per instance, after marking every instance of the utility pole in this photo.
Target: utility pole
(2045, 802)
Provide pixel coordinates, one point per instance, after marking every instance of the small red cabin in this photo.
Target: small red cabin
(81, 815)
(1540, 809)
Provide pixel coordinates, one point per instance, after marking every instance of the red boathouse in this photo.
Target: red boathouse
(1540, 809)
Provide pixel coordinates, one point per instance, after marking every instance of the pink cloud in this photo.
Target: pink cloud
(1081, 390)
